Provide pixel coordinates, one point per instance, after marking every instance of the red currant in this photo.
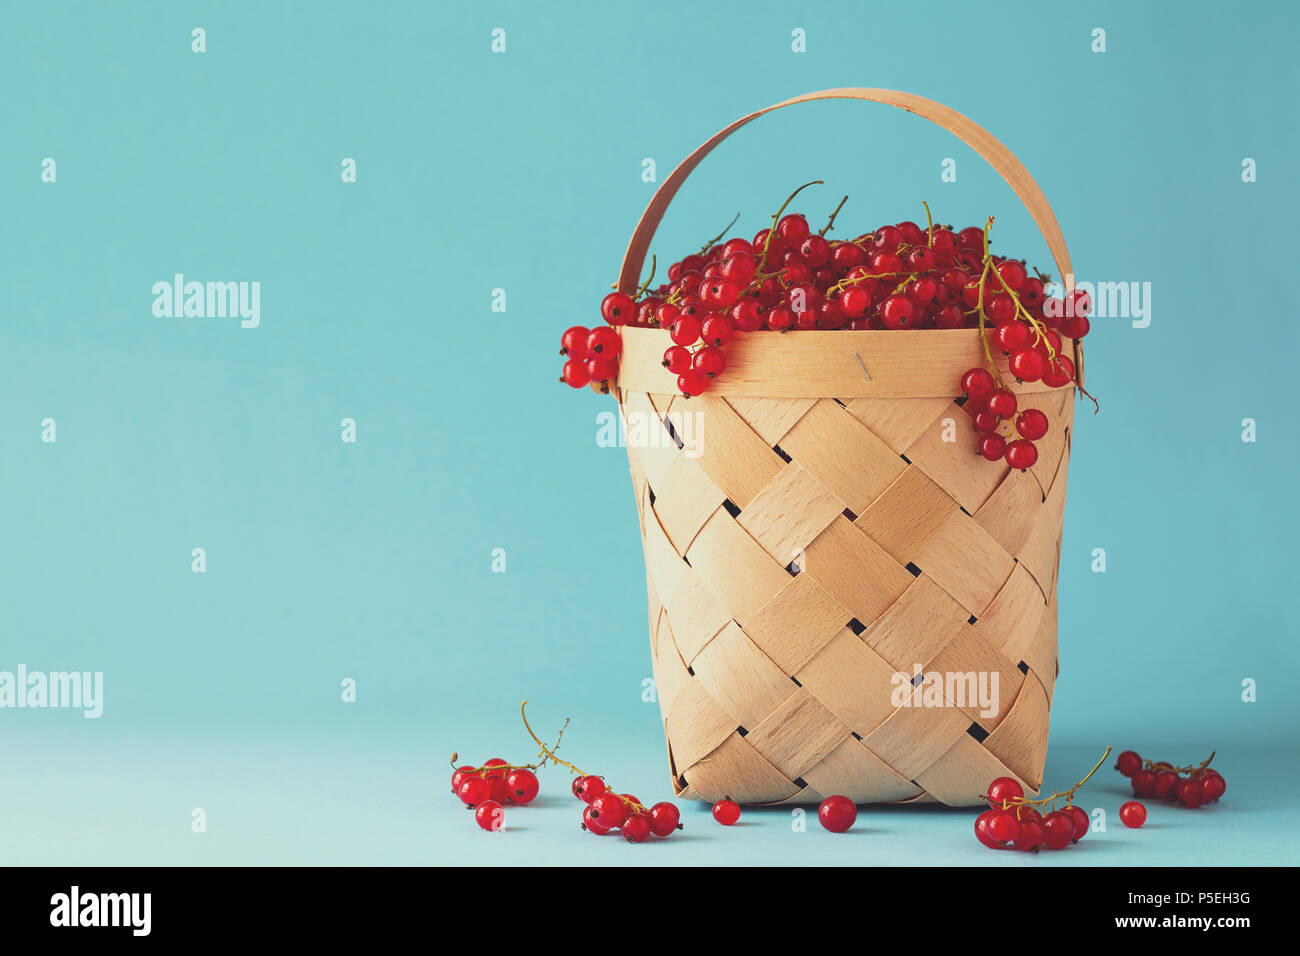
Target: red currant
(608, 809)
(601, 370)
(1030, 837)
(1021, 454)
(837, 813)
(1058, 830)
(1003, 826)
(1004, 790)
(1133, 814)
(982, 831)
(1027, 365)
(664, 819)
(636, 828)
(1128, 763)
(1013, 274)
(978, 383)
(474, 790)
(993, 447)
(717, 329)
(709, 361)
(1031, 424)
(1002, 403)
(677, 359)
(573, 342)
(522, 785)
(604, 342)
(490, 815)
(686, 330)
(792, 228)
(692, 383)
(589, 822)
(726, 812)
(618, 308)
(588, 788)
(898, 312)
(1081, 821)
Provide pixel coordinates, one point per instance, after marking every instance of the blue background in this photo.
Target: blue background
(522, 171)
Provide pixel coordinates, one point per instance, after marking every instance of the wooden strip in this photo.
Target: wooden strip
(738, 461)
(967, 562)
(735, 770)
(797, 623)
(855, 772)
(1020, 741)
(792, 510)
(915, 737)
(1013, 618)
(855, 570)
(819, 364)
(852, 681)
(843, 454)
(740, 677)
(696, 613)
(662, 561)
(917, 626)
(907, 515)
(735, 566)
(953, 465)
(696, 725)
(970, 655)
(653, 458)
(684, 501)
(955, 777)
(898, 422)
(771, 418)
(798, 734)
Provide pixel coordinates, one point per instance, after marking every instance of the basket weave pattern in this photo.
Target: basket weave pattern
(774, 677)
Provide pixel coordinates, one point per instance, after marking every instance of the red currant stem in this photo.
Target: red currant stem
(504, 768)
(767, 243)
(709, 245)
(547, 752)
(1096, 406)
(641, 291)
(984, 335)
(929, 225)
(903, 285)
(1151, 765)
(831, 222)
(1067, 796)
(1038, 327)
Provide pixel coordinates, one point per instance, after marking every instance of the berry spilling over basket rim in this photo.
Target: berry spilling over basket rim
(717, 303)
(815, 529)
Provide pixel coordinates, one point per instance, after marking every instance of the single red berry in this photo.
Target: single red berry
(780, 319)
(726, 812)
(1081, 821)
(500, 792)
(950, 316)
(474, 790)
(1013, 274)
(837, 813)
(886, 264)
(792, 227)
(1075, 327)
(1133, 814)
(1030, 837)
(604, 342)
(1031, 424)
(1021, 454)
(1028, 365)
(920, 259)
(709, 361)
(993, 447)
(686, 330)
(1128, 763)
(1031, 294)
(1059, 372)
(738, 266)
(1213, 786)
(911, 233)
(1190, 793)
(574, 374)
(972, 237)
(1004, 790)
(986, 422)
(982, 831)
(855, 301)
(664, 819)
(978, 383)
(608, 809)
(1166, 784)
(898, 312)
(636, 828)
(677, 359)
(1025, 813)
(717, 329)
(588, 788)
(1078, 303)
(749, 315)
(490, 815)
(666, 315)
(1144, 783)
(1002, 403)
(815, 250)
(573, 342)
(523, 785)
(618, 308)
(460, 775)
(1058, 830)
(590, 823)
(925, 291)
(1004, 826)
(1001, 309)
(1012, 337)
(692, 383)
(601, 370)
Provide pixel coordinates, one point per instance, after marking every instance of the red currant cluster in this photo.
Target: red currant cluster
(900, 276)
(1013, 821)
(1186, 786)
(608, 810)
(487, 789)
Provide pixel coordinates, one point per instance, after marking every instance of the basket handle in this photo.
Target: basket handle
(973, 135)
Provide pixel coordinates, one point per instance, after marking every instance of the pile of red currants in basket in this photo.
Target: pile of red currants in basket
(900, 276)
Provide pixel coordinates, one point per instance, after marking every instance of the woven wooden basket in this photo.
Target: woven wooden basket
(817, 524)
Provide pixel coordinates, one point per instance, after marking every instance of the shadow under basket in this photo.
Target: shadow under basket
(820, 536)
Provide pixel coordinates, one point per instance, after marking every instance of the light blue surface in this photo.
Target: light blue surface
(522, 171)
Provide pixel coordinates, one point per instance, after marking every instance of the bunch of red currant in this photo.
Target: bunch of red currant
(488, 788)
(607, 809)
(900, 276)
(1013, 821)
(1189, 786)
